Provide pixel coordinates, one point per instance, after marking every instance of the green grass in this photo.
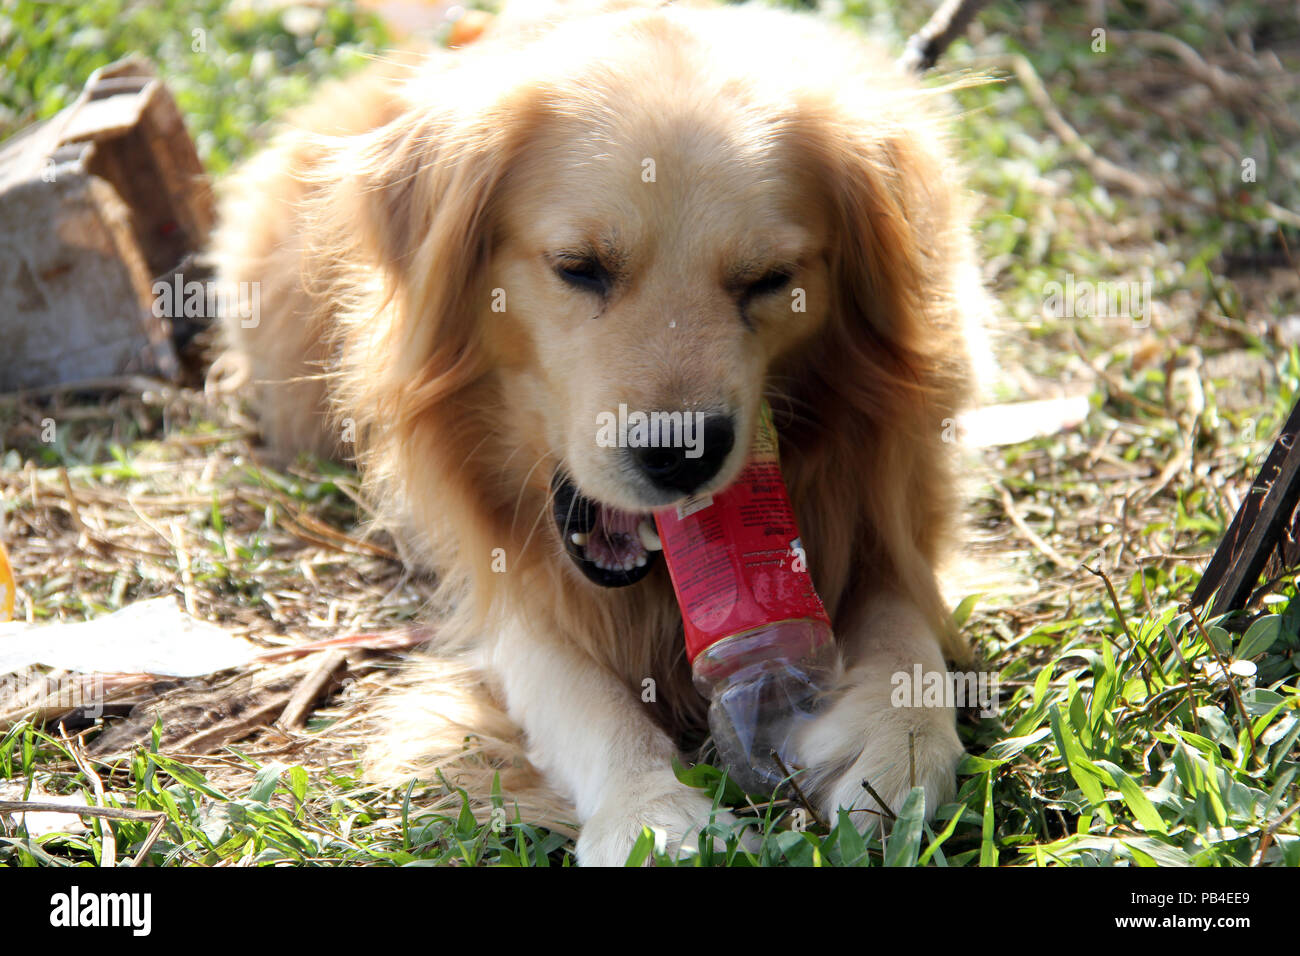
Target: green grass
(1126, 751)
(230, 66)
(1118, 740)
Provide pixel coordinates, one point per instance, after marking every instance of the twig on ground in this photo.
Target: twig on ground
(884, 807)
(1258, 856)
(310, 689)
(803, 799)
(155, 831)
(50, 806)
(1032, 536)
(1123, 623)
(1102, 168)
(944, 26)
(1227, 677)
(108, 848)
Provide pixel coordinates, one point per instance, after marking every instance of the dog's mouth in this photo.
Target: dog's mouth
(612, 548)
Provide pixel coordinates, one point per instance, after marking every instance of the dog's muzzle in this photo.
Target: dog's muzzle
(613, 548)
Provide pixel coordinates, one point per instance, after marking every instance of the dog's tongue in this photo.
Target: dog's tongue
(614, 542)
(619, 543)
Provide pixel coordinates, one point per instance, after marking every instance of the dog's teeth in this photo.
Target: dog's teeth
(578, 539)
(649, 537)
(640, 560)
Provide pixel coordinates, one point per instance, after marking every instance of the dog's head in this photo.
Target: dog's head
(628, 233)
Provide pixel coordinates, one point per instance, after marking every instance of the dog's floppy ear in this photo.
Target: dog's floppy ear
(899, 259)
(425, 176)
(409, 207)
(891, 367)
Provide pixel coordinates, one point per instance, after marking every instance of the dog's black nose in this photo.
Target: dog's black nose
(692, 456)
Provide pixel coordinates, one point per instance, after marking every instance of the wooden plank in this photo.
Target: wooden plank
(145, 152)
(1258, 526)
(95, 203)
(74, 288)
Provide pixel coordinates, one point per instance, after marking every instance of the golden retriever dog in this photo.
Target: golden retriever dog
(467, 259)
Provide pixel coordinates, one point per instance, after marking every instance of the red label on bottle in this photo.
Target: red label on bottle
(736, 559)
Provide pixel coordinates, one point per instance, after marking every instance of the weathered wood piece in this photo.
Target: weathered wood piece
(1264, 528)
(94, 203)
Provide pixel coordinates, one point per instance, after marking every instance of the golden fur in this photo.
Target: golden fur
(401, 230)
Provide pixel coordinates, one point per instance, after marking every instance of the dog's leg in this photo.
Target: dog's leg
(864, 736)
(591, 736)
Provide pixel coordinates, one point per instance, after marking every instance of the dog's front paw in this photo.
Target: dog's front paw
(675, 813)
(864, 739)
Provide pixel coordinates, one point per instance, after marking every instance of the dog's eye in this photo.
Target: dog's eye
(770, 282)
(586, 274)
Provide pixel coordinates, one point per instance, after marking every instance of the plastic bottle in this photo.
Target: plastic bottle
(757, 635)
